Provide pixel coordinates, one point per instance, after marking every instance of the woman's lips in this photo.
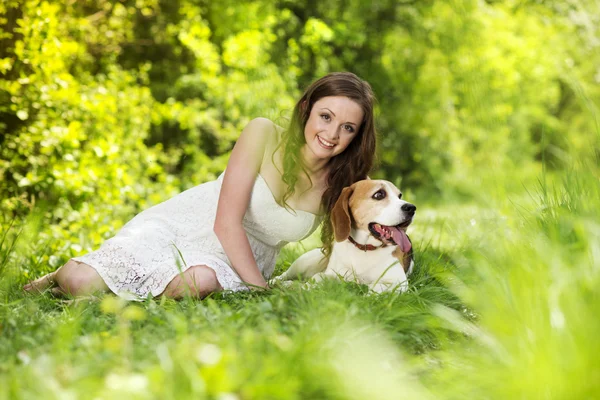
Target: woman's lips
(324, 143)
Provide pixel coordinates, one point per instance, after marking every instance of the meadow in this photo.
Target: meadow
(503, 304)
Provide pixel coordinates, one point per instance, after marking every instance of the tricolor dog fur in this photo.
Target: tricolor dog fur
(371, 245)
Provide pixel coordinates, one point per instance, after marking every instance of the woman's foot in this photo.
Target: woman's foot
(41, 284)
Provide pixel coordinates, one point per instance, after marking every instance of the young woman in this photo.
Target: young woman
(225, 234)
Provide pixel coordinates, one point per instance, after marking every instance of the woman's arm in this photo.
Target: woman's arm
(240, 175)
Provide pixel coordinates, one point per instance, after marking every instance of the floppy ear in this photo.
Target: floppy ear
(340, 215)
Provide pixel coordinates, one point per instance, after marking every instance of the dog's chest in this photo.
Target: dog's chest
(367, 264)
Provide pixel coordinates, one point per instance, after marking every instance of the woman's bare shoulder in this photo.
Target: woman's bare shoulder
(270, 133)
(265, 126)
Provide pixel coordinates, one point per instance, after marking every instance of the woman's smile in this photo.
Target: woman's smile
(325, 144)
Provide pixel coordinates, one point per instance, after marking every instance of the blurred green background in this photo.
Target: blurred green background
(488, 121)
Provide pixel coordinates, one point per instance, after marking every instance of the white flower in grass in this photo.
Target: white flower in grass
(24, 357)
(227, 396)
(208, 354)
(127, 382)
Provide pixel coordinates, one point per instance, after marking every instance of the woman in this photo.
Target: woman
(226, 234)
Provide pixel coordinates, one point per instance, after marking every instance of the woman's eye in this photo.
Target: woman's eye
(349, 128)
(326, 117)
(379, 195)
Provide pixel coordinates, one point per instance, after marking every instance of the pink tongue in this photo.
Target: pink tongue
(401, 239)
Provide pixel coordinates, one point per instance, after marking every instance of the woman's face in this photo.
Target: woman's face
(333, 123)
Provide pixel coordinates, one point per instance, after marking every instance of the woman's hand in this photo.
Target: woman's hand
(258, 286)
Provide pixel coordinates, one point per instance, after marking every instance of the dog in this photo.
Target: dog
(371, 246)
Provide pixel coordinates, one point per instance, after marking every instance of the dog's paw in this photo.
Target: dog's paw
(280, 283)
(309, 285)
(388, 287)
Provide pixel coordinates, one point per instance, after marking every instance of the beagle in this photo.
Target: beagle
(371, 245)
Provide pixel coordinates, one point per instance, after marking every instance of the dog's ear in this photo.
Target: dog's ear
(340, 215)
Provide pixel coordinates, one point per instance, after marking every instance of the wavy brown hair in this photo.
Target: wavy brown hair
(352, 165)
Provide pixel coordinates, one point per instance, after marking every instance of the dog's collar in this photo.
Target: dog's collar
(365, 247)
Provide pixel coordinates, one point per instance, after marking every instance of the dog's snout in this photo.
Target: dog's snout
(409, 208)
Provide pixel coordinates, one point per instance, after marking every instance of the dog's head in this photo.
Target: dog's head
(375, 206)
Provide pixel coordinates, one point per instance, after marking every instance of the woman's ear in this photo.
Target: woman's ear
(340, 215)
(303, 105)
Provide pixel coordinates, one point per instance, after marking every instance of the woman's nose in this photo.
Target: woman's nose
(334, 132)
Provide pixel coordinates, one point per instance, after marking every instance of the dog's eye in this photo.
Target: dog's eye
(379, 195)
(400, 196)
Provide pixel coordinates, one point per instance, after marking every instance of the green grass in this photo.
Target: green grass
(504, 304)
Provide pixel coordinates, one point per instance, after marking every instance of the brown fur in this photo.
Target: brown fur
(340, 215)
(404, 258)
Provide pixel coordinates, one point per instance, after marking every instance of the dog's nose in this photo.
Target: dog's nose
(409, 208)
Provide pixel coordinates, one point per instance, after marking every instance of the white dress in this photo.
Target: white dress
(164, 240)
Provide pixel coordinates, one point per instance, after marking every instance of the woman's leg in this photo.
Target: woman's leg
(197, 281)
(78, 279)
(74, 278)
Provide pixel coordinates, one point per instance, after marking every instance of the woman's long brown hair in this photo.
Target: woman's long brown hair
(352, 165)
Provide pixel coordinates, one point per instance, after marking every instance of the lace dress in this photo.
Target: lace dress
(164, 240)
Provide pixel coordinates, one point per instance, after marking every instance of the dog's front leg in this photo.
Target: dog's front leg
(380, 287)
(305, 266)
(320, 276)
(316, 278)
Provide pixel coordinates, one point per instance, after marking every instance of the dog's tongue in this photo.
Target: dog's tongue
(401, 239)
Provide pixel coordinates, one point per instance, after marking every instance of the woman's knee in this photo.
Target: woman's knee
(197, 281)
(76, 278)
(205, 279)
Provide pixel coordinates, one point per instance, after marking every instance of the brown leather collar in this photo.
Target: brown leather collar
(365, 247)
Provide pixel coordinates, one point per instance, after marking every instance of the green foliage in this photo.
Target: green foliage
(72, 140)
(483, 90)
